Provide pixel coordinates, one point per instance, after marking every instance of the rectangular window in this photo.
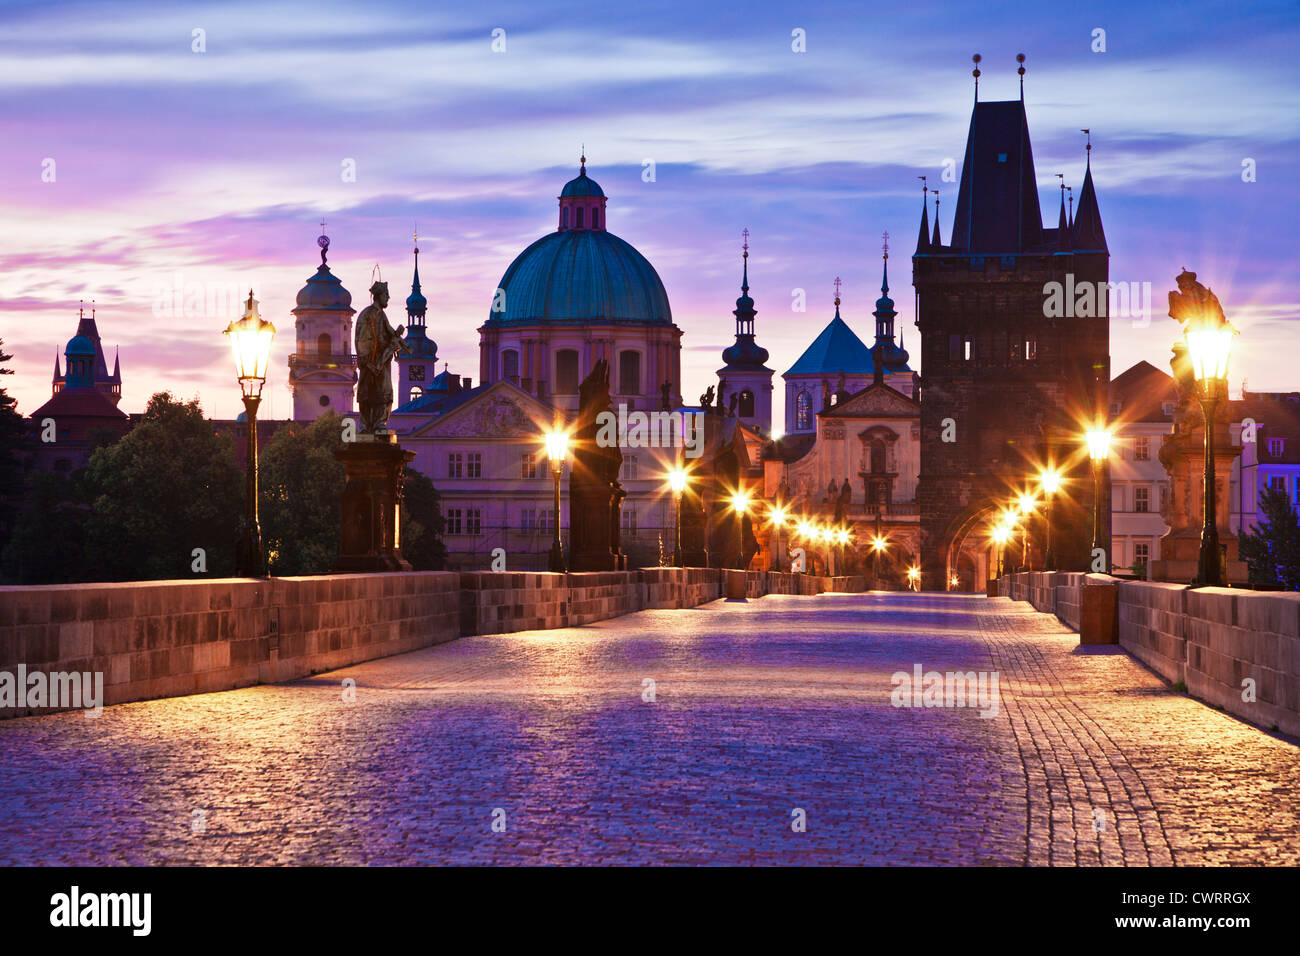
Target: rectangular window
(1164, 498)
(1167, 409)
(454, 516)
(473, 521)
(1031, 350)
(954, 348)
(966, 348)
(629, 521)
(1277, 483)
(1142, 498)
(629, 467)
(1275, 446)
(454, 465)
(546, 521)
(474, 465)
(527, 520)
(1141, 448)
(1141, 552)
(528, 465)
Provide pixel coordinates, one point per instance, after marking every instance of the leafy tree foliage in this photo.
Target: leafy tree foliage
(301, 482)
(1271, 550)
(170, 485)
(48, 541)
(422, 523)
(12, 428)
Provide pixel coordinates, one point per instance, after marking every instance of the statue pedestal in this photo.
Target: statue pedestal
(371, 504)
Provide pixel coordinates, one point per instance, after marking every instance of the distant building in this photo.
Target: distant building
(322, 368)
(82, 412)
(1142, 403)
(1272, 460)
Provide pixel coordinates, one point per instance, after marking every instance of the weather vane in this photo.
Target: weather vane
(745, 232)
(885, 244)
(837, 290)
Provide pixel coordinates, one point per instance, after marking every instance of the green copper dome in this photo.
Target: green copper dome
(583, 185)
(578, 276)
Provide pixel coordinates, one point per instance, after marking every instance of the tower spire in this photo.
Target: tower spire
(1087, 149)
(976, 73)
(923, 238)
(1020, 58)
(744, 282)
(1069, 191)
(837, 297)
(884, 254)
(936, 242)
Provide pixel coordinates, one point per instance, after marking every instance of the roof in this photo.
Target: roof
(1142, 391)
(324, 291)
(581, 276)
(582, 185)
(81, 403)
(997, 205)
(790, 448)
(438, 401)
(1278, 416)
(837, 349)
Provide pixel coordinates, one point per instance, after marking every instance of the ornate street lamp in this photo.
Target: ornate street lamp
(1025, 505)
(677, 480)
(914, 578)
(1208, 347)
(1050, 481)
(878, 545)
(250, 341)
(739, 504)
(1098, 439)
(557, 446)
(1000, 535)
(776, 517)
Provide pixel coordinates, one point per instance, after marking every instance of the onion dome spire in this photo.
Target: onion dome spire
(745, 353)
(416, 303)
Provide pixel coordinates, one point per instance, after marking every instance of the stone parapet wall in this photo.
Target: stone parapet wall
(170, 638)
(1234, 648)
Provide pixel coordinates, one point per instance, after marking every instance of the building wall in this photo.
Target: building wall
(1132, 528)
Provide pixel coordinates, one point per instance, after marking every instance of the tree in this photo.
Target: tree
(422, 523)
(168, 487)
(301, 484)
(48, 541)
(12, 429)
(1272, 549)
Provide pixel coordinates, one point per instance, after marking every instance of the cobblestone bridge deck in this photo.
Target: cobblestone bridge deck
(759, 708)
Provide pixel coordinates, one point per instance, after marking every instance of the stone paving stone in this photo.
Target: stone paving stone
(760, 708)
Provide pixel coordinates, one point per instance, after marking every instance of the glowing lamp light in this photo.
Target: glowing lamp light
(250, 342)
(740, 502)
(878, 544)
(806, 529)
(1001, 533)
(677, 479)
(1050, 480)
(913, 573)
(1026, 504)
(778, 516)
(842, 536)
(1098, 440)
(557, 446)
(1208, 348)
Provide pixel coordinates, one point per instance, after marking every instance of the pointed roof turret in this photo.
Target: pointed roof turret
(923, 237)
(1088, 233)
(423, 348)
(936, 243)
(997, 201)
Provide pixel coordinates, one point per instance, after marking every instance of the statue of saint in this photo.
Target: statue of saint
(1193, 303)
(377, 342)
(706, 400)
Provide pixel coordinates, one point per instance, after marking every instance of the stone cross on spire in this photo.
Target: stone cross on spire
(837, 291)
(885, 245)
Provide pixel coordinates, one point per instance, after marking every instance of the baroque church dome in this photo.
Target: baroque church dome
(324, 290)
(580, 273)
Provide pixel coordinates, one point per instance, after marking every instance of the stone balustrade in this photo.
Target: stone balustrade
(1230, 647)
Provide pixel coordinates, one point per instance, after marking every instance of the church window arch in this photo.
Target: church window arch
(324, 344)
(803, 412)
(566, 371)
(564, 217)
(877, 456)
(629, 372)
(577, 212)
(510, 365)
(416, 392)
(595, 218)
(745, 404)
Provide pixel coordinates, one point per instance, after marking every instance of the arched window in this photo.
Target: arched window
(564, 217)
(745, 406)
(877, 457)
(566, 371)
(323, 344)
(595, 218)
(578, 217)
(803, 412)
(510, 366)
(416, 392)
(629, 372)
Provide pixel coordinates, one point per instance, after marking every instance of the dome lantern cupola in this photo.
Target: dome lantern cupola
(582, 202)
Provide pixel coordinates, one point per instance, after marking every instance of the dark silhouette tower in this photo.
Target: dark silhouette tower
(1005, 378)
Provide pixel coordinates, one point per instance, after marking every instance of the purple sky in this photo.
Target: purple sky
(215, 168)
